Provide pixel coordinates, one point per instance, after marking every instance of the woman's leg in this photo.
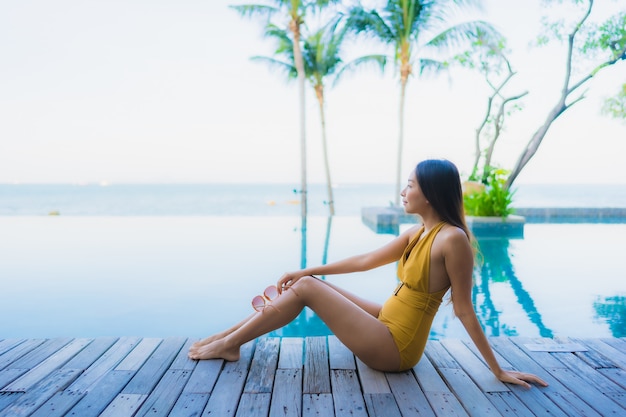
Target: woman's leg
(357, 328)
(220, 335)
(369, 306)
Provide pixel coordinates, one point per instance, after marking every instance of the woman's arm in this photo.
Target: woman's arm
(386, 254)
(459, 262)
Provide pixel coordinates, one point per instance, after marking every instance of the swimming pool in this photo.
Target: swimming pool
(191, 276)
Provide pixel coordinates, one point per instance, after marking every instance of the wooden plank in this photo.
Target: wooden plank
(101, 393)
(372, 382)
(545, 359)
(594, 358)
(154, 367)
(582, 394)
(40, 393)
(616, 356)
(103, 357)
(182, 361)
(135, 359)
(20, 350)
(475, 368)
(7, 376)
(408, 394)
(617, 375)
(225, 397)
(8, 398)
(109, 359)
(92, 352)
(474, 401)
(165, 394)
(204, 376)
(541, 401)
(263, 368)
(436, 390)
(46, 367)
(287, 398)
(555, 399)
(445, 404)
(572, 406)
(428, 377)
(439, 356)
(189, 404)
(619, 343)
(339, 356)
(381, 404)
(138, 389)
(318, 405)
(588, 382)
(291, 349)
(316, 368)
(40, 353)
(555, 347)
(347, 393)
(124, 405)
(59, 404)
(8, 344)
(254, 405)
(508, 404)
(586, 392)
(595, 378)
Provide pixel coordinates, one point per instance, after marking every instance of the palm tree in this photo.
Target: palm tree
(295, 11)
(322, 60)
(409, 26)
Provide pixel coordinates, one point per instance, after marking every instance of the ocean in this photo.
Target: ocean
(255, 199)
(185, 260)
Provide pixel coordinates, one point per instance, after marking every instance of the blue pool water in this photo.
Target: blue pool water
(193, 275)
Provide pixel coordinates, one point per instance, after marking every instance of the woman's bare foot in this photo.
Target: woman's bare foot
(220, 335)
(215, 350)
(208, 340)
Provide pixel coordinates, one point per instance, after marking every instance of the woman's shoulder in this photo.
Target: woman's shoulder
(453, 235)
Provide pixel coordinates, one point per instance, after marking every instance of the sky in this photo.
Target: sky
(161, 91)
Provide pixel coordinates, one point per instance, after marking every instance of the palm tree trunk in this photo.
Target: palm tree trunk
(319, 91)
(400, 141)
(297, 56)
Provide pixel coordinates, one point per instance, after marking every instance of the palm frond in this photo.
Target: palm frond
(431, 66)
(281, 66)
(255, 10)
(377, 61)
(370, 23)
(461, 33)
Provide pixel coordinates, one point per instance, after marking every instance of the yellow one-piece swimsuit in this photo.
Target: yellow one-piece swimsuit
(410, 311)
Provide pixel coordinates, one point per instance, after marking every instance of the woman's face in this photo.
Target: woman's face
(412, 197)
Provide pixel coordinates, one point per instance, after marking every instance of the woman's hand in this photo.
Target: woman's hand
(287, 280)
(520, 378)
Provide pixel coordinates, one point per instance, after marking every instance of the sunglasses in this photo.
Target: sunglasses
(261, 301)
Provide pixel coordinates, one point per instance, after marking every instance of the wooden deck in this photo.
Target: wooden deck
(314, 376)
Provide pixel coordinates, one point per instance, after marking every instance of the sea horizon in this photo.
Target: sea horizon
(275, 199)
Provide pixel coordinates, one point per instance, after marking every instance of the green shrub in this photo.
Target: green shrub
(494, 199)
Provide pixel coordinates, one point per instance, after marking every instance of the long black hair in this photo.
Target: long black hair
(440, 183)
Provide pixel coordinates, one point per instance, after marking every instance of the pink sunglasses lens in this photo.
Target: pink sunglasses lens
(258, 303)
(271, 292)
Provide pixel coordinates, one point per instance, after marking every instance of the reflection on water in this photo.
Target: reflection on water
(613, 311)
(307, 323)
(193, 276)
(496, 267)
(494, 272)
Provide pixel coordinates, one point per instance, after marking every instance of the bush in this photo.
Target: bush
(491, 198)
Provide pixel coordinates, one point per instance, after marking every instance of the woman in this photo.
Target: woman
(432, 258)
